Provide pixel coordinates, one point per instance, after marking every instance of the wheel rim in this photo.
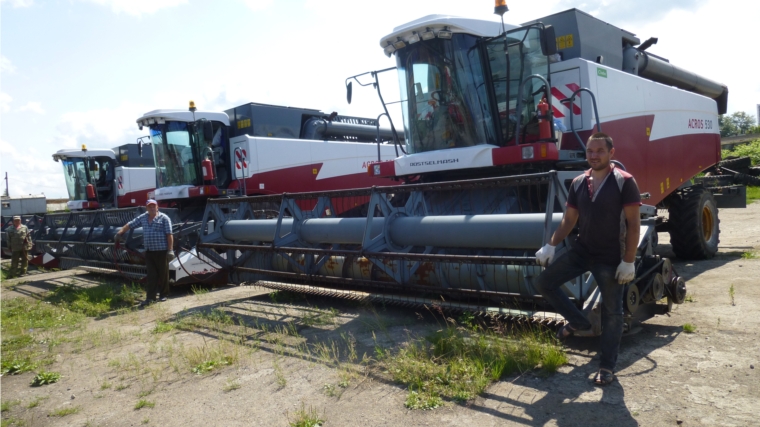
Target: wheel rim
(707, 222)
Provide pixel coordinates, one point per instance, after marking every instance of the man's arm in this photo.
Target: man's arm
(170, 241)
(123, 229)
(566, 226)
(633, 230)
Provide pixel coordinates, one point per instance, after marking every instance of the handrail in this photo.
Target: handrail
(547, 95)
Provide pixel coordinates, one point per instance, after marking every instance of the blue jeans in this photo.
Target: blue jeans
(569, 266)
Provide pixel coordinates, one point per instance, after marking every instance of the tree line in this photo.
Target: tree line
(738, 123)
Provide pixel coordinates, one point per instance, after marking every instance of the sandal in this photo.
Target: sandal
(604, 377)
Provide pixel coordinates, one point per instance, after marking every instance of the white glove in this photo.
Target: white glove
(545, 255)
(625, 272)
(170, 256)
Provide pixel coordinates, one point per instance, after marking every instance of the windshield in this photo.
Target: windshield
(174, 154)
(98, 171)
(525, 59)
(75, 173)
(444, 99)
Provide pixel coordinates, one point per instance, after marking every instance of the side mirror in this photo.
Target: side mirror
(548, 41)
(208, 131)
(349, 90)
(93, 165)
(139, 147)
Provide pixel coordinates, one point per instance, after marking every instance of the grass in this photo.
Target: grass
(306, 418)
(8, 404)
(198, 290)
(231, 385)
(689, 328)
(749, 255)
(162, 327)
(142, 403)
(94, 301)
(753, 193)
(65, 411)
(459, 363)
(690, 298)
(206, 358)
(732, 294)
(45, 378)
(317, 317)
(36, 402)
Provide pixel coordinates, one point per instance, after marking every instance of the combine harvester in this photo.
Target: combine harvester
(483, 178)
(251, 149)
(95, 180)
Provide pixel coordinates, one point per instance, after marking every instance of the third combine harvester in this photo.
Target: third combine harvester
(495, 118)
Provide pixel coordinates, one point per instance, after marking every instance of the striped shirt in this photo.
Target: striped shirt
(154, 232)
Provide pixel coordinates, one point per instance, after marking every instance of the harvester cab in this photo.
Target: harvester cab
(107, 178)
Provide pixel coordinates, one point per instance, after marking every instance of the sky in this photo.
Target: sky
(78, 72)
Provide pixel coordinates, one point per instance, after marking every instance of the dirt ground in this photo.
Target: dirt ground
(666, 377)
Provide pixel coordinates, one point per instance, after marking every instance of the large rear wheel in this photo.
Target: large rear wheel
(694, 224)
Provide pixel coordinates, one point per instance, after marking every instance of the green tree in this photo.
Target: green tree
(737, 123)
(727, 127)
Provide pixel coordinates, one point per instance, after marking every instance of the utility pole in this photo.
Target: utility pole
(6, 186)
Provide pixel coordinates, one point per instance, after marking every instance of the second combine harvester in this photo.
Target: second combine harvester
(484, 174)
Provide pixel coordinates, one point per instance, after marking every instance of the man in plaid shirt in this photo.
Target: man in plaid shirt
(159, 244)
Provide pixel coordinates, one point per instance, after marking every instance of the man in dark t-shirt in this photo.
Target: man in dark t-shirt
(604, 201)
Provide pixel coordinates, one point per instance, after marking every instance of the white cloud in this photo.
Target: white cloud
(33, 107)
(138, 7)
(256, 5)
(6, 66)
(19, 3)
(5, 102)
(31, 170)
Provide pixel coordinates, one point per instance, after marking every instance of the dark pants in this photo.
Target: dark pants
(569, 266)
(19, 259)
(158, 274)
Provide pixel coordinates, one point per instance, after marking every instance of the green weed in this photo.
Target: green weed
(231, 385)
(732, 294)
(8, 404)
(425, 400)
(96, 300)
(749, 255)
(142, 403)
(162, 327)
(198, 290)
(44, 378)
(690, 298)
(36, 402)
(753, 193)
(689, 328)
(459, 363)
(306, 418)
(317, 317)
(65, 411)
(207, 358)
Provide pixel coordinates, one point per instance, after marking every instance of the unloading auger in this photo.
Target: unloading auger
(466, 245)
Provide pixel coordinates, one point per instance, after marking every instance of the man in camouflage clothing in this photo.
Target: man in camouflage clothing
(19, 242)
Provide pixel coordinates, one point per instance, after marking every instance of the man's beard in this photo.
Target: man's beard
(600, 166)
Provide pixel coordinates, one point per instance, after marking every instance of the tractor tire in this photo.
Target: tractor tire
(741, 178)
(694, 223)
(739, 164)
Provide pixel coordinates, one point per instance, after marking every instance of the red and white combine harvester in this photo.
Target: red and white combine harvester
(107, 179)
(248, 150)
(495, 118)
